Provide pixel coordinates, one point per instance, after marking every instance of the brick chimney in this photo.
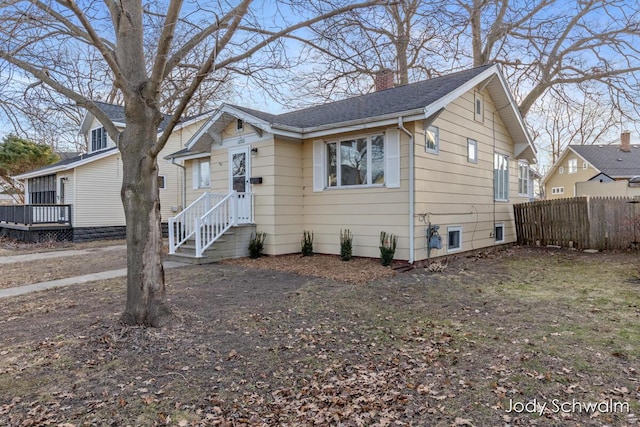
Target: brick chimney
(384, 79)
(625, 141)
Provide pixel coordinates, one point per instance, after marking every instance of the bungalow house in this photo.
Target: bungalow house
(439, 163)
(595, 170)
(79, 197)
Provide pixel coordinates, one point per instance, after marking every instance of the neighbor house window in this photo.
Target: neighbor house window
(98, 139)
(478, 107)
(585, 165)
(204, 176)
(500, 176)
(472, 150)
(499, 232)
(560, 170)
(523, 178)
(573, 165)
(454, 238)
(432, 140)
(354, 162)
(557, 190)
(239, 125)
(161, 182)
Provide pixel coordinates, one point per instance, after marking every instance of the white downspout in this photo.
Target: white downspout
(411, 191)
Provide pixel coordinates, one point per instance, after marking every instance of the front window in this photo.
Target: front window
(573, 165)
(204, 177)
(432, 140)
(523, 178)
(98, 139)
(500, 176)
(361, 162)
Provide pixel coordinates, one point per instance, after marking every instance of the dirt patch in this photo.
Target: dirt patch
(256, 347)
(28, 272)
(13, 247)
(356, 270)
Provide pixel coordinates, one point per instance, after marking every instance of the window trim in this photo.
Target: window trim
(496, 191)
(104, 139)
(557, 190)
(524, 164)
(436, 132)
(451, 229)
(472, 143)
(572, 166)
(162, 182)
(495, 232)
(585, 165)
(239, 125)
(369, 137)
(478, 101)
(200, 162)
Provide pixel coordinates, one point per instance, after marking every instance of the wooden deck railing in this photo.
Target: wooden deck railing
(36, 214)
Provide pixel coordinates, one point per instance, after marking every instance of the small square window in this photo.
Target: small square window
(585, 165)
(472, 150)
(161, 182)
(454, 238)
(432, 140)
(499, 233)
(560, 170)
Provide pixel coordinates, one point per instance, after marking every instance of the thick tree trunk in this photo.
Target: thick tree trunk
(146, 301)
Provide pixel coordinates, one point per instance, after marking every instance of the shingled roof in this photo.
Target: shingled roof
(390, 101)
(610, 159)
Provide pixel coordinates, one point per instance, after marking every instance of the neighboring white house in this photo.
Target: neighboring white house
(442, 160)
(90, 183)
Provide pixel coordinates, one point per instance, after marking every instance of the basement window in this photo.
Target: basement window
(454, 238)
(499, 233)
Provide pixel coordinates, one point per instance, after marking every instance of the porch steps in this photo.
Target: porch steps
(233, 244)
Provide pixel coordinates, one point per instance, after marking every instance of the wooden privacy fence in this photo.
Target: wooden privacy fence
(580, 222)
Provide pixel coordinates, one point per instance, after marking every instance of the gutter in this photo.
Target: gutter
(184, 181)
(411, 190)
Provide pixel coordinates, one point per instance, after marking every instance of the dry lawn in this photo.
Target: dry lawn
(264, 347)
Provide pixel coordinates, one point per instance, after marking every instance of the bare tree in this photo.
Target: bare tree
(344, 54)
(37, 36)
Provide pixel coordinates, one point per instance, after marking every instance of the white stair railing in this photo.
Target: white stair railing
(215, 222)
(182, 227)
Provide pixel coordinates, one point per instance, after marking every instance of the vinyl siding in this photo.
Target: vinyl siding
(364, 211)
(566, 179)
(450, 191)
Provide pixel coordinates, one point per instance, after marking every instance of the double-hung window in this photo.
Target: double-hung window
(98, 139)
(523, 178)
(573, 165)
(500, 177)
(355, 162)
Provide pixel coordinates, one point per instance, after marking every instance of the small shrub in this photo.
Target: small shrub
(307, 243)
(388, 244)
(346, 244)
(256, 244)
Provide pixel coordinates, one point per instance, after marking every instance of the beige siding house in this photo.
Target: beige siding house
(595, 170)
(443, 159)
(90, 183)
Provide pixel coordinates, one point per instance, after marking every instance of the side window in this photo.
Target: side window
(478, 105)
(432, 140)
(472, 150)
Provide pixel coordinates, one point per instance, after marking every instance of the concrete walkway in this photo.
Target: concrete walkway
(57, 254)
(20, 290)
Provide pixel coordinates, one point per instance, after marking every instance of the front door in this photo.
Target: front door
(239, 173)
